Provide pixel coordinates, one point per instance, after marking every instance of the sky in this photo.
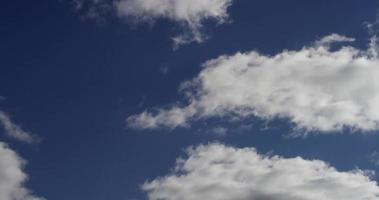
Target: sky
(189, 100)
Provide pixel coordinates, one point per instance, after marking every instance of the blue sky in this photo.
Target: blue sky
(74, 85)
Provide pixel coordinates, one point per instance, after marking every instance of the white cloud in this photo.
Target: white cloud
(330, 39)
(315, 88)
(226, 173)
(189, 14)
(15, 131)
(12, 177)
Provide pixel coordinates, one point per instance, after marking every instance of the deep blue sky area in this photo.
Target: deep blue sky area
(73, 83)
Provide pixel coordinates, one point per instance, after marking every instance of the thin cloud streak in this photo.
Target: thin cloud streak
(15, 131)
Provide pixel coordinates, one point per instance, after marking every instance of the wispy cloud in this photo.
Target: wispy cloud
(15, 131)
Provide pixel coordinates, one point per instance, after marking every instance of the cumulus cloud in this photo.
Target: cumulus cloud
(15, 131)
(225, 173)
(190, 15)
(315, 88)
(12, 177)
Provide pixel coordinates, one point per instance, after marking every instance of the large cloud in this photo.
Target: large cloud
(15, 131)
(12, 176)
(225, 173)
(189, 14)
(316, 88)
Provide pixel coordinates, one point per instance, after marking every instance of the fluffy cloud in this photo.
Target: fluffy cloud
(225, 173)
(190, 14)
(12, 177)
(315, 88)
(15, 131)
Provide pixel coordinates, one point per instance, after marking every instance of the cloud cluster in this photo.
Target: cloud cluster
(219, 172)
(12, 177)
(315, 88)
(15, 131)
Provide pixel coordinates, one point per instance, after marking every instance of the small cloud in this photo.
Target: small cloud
(188, 15)
(219, 131)
(374, 158)
(15, 131)
(164, 70)
(333, 38)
